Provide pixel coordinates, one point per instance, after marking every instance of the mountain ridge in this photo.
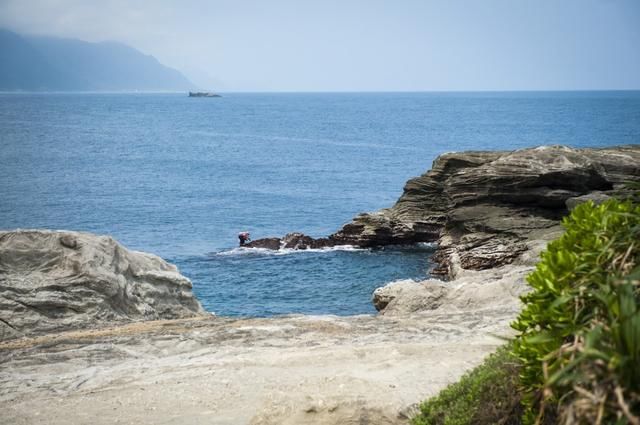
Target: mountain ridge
(43, 63)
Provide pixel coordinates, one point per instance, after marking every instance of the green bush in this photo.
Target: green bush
(579, 340)
(486, 395)
(577, 357)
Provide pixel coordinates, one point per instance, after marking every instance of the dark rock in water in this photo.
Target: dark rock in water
(291, 241)
(302, 241)
(52, 281)
(268, 243)
(297, 241)
(484, 207)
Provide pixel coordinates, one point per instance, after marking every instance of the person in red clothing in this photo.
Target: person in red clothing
(243, 237)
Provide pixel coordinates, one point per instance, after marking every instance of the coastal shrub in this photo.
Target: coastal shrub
(579, 331)
(487, 395)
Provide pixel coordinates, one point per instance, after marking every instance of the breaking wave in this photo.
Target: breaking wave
(284, 251)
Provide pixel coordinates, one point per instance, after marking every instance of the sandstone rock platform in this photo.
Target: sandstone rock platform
(293, 370)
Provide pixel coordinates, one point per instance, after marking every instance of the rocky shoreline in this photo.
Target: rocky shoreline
(95, 333)
(483, 207)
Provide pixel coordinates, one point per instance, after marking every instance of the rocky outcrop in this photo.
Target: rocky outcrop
(470, 290)
(484, 207)
(292, 241)
(265, 243)
(60, 280)
(475, 290)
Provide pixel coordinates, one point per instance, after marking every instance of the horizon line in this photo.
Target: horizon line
(313, 91)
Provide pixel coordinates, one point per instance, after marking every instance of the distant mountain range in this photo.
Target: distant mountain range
(33, 63)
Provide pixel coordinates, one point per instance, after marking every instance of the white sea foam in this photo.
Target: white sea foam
(239, 251)
(285, 251)
(400, 282)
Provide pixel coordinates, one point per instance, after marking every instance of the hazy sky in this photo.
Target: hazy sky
(360, 45)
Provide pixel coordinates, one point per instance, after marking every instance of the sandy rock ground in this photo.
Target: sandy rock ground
(286, 370)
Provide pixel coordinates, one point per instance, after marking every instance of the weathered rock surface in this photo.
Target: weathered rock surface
(60, 280)
(483, 207)
(473, 290)
(298, 370)
(320, 370)
(469, 290)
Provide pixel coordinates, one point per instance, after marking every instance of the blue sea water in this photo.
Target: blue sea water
(180, 176)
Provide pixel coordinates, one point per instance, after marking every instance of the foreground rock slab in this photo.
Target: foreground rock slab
(287, 370)
(52, 281)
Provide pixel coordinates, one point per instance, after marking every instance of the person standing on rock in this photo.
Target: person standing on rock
(244, 238)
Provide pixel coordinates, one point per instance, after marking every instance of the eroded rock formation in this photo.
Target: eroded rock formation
(60, 280)
(483, 207)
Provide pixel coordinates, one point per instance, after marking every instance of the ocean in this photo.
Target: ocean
(180, 176)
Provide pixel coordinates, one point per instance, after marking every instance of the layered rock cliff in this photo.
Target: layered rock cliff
(483, 208)
(59, 280)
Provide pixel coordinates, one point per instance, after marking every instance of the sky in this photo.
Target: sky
(362, 45)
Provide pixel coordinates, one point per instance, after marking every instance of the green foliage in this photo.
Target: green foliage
(577, 356)
(486, 395)
(579, 340)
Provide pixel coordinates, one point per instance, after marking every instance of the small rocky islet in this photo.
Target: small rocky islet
(91, 331)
